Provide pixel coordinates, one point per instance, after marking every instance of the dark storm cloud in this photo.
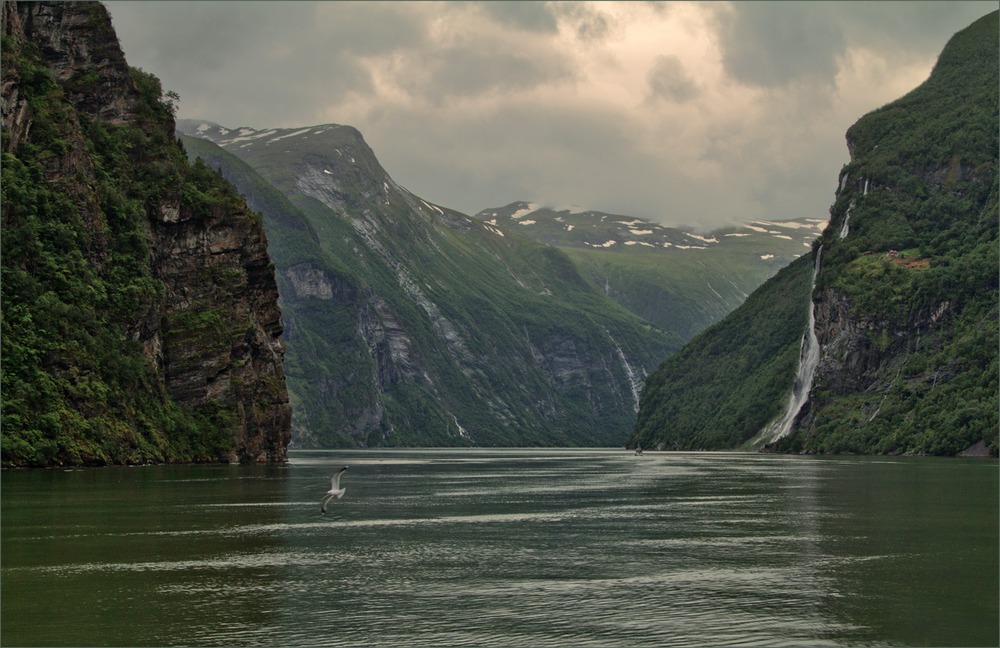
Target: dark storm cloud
(532, 16)
(475, 69)
(669, 80)
(777, 43)
(588, 24)
(773, 44)
(227, 53)
(906, 27)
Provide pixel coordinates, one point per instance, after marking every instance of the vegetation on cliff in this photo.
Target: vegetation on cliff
(919, 268)
(90, 317)
(906, 298)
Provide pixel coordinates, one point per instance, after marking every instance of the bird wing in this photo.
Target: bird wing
(335, 480)
(326, 500)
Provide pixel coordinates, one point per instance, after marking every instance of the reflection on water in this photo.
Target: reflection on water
(505, 548)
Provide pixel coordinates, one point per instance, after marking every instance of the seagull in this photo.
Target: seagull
(335, 490)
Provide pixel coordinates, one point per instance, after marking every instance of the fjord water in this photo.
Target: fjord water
(506, 548)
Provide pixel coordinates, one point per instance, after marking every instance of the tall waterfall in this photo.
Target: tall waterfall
(808, 359)
(634, 380)
(846, 227)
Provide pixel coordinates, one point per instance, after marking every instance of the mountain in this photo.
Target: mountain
(901, 356)
(679, 279)
(408, 323)
(778, 242)
(140, 316)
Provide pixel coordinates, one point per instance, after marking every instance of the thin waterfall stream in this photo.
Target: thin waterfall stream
(808, 359)
(635, 381)
(846, 227)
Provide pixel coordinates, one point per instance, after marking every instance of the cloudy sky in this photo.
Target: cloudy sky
(699, 113)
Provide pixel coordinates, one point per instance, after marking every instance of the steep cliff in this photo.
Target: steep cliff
(140, 316)
(411, 324)
(904, 302)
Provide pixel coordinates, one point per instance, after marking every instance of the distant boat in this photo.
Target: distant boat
(335, 490)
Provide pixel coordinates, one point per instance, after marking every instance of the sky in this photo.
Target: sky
(699, 114)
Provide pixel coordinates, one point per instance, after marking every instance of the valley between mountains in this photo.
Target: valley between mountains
(407, 323)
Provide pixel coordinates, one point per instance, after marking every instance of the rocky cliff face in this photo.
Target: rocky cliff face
(856, 348)
(80, 48)
(221, 336)
(181, 288)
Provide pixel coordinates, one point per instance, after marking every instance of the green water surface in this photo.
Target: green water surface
(505, 548)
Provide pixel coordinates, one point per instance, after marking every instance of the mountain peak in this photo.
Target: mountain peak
(245, 136)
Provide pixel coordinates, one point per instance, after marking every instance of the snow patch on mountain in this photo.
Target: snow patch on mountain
(427, 204)
(292, 134)
(524, 211)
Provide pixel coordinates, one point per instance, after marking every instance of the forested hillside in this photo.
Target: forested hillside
(905, 301)
(140, 319)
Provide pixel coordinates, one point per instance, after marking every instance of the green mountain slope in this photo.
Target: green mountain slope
(732, 379)
(411, 324)
(905, 302)
(680, 280)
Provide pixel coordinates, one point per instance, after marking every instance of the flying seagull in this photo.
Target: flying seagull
(335, 490)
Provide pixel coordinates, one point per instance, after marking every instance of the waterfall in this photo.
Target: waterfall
(634, 381)
(808, 359)
(461, 430)
(846, 227)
